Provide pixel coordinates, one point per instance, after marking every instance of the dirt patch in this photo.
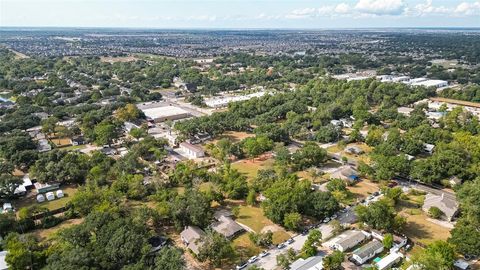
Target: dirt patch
(121, 59)
(272, 228)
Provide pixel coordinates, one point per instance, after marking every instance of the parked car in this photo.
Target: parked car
(281, 245)
(253, 259)
(326, 220)
(241, 266)
(334, 216)
(392, 184)
(289, 241)
(264, 254)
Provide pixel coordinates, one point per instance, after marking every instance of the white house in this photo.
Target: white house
(388, 261)
(191, 151)
(346, 240)
(367, 251)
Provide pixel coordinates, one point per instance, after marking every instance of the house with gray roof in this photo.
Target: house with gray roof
(346, 173)
(227, 227)
(448, 206)
(191, 238)
(367, 251)
(311, 263)
(347, 240)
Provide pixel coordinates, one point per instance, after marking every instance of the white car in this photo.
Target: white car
(253, 259)
(264, 254)
(241, 266)
(326, 220)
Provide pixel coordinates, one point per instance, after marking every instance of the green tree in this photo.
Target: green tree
(292, 221)
(169, 259)
(309, 248)
(438, 255)
(435, 212)
(388, 241)
(215, 248)
(24, 252)
(105, 132)
(334, 261)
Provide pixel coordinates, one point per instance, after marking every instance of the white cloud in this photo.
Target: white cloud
(427, 8)
(302, 13)
(376, 8)
(381, 7)
(342, 8)
(468, 9)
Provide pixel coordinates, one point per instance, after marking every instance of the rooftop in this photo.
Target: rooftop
(163, 111)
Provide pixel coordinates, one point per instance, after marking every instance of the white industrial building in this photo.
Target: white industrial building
(164, 113)
(431, 83)
(220, 102)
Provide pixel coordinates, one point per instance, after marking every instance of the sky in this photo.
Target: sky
(240, 14)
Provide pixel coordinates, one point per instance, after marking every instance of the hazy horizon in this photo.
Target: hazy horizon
(237, 14)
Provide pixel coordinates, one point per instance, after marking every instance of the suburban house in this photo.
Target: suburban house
(190, 238)
(367, 251)
(346, 173)
(78, 141)
(390, 260)
(227, 227)
(347, 240)
(43, 146)
(398, 241)
(26, 185)
(448, 206)
(191, 151)
(311, 263)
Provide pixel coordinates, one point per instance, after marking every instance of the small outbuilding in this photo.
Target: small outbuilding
(7, 207)
(60, 194)
(40, 198)
(50, 196)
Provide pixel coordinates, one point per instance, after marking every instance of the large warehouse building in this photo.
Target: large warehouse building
(160, 112)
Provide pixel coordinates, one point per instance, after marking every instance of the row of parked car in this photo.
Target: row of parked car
(252, 260)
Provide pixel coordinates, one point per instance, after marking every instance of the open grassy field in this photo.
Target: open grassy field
(69, 191)
(254, 218)
(120, 59)
(363, 189)
(419, 229)
(44, 234)
(250, 168)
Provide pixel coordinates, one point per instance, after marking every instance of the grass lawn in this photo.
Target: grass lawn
(68, 191)
(419, 229)
(250, 168)
(253, 218)
(44, 234)
(73, 147)
(244, 247)
(363, 189)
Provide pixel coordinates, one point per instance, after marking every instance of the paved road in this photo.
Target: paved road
(420, 186)
(270, 262)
